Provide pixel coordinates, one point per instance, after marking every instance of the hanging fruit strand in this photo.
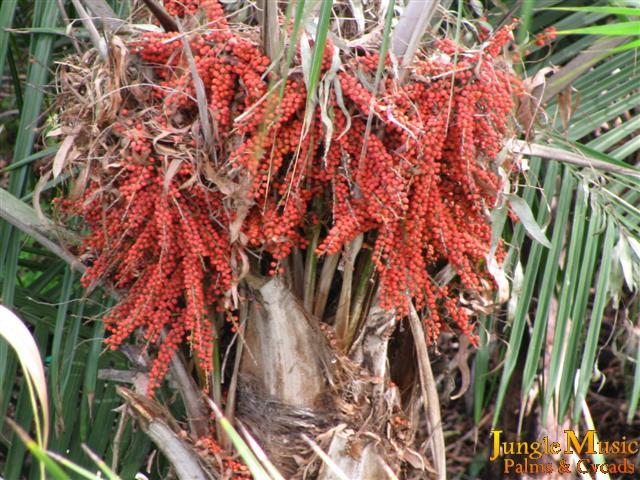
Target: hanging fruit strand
(160, 216)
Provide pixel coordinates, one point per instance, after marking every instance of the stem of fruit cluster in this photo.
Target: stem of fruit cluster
(310, 269)
(326, 279)
(344, 325)
(364, 291)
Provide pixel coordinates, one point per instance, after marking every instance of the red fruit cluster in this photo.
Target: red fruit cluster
(547, 36)
(238, 470)
(427, 185)
(161, 243)
(165, 229)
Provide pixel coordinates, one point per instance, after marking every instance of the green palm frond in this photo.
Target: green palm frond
(587, 213)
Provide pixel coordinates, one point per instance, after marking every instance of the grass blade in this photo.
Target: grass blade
(31, 158)
(15, 77)
(579, 306)
(611, 29)
(635, 391)
(52, 468)
(567, 293)
(318, 51)
(522, 307)
(13, 330)
(548, 283)
(600, 301)
(100, 463)
(627, 46)
(28, 410)
(526, 16)
(481, 366)
(7, 12)
(256, 468)
(61, 320)
(609, 10)
(10, 239)
(261, 455)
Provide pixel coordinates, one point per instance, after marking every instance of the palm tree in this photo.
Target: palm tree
(313, 373)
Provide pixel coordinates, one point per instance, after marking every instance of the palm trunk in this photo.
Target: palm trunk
(285, 376)
(293, 383)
